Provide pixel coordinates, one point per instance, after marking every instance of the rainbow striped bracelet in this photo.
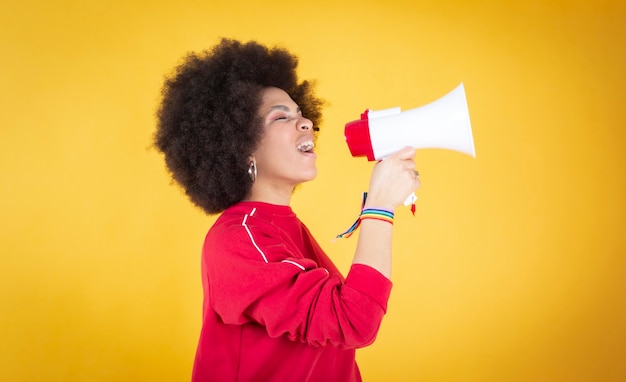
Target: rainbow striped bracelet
(367, 213)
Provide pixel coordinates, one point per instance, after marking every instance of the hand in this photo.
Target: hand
(393, 180)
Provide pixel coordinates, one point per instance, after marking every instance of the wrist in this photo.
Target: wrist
(374, 204)
(370, 210)
(381, 214)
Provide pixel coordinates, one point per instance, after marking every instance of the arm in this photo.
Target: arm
(393, 179)
(288, 294)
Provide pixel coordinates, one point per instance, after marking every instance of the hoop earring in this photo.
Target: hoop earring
(252, 171)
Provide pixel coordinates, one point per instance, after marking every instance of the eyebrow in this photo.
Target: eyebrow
(284, 108)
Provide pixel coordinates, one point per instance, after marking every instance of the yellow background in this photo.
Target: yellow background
(514, 268)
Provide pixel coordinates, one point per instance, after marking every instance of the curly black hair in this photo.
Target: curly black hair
(208, 123)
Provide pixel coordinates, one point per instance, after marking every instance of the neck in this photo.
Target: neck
(278, 196)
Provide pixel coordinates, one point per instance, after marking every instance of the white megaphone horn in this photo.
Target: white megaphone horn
(441, 124)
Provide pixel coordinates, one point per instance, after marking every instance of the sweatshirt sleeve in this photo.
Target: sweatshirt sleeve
(254, 277)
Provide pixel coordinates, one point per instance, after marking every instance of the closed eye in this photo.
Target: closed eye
(283, 112)
(283, 116)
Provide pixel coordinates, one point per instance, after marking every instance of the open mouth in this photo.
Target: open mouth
(306, 147)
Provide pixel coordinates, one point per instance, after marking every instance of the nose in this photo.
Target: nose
(305, 124)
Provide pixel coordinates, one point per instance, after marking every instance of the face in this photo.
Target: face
(285, 155)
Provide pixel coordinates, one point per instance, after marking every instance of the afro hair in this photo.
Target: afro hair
(208, 123)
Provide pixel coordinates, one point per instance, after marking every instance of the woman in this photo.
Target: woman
(238, 133)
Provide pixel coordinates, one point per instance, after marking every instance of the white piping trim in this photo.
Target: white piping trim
(250, 235)
(243, 223)
(294, 263)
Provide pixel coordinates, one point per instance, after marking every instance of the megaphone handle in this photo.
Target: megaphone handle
(410, 200)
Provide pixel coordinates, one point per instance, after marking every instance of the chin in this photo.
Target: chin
(309, 176)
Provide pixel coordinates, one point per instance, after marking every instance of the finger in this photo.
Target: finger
(402, 154)
(406, 153)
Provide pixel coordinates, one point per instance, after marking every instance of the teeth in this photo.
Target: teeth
(306, 146)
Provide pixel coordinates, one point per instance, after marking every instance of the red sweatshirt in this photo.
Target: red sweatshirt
(276, 308)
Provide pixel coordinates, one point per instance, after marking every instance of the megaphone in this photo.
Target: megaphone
(441, 124)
